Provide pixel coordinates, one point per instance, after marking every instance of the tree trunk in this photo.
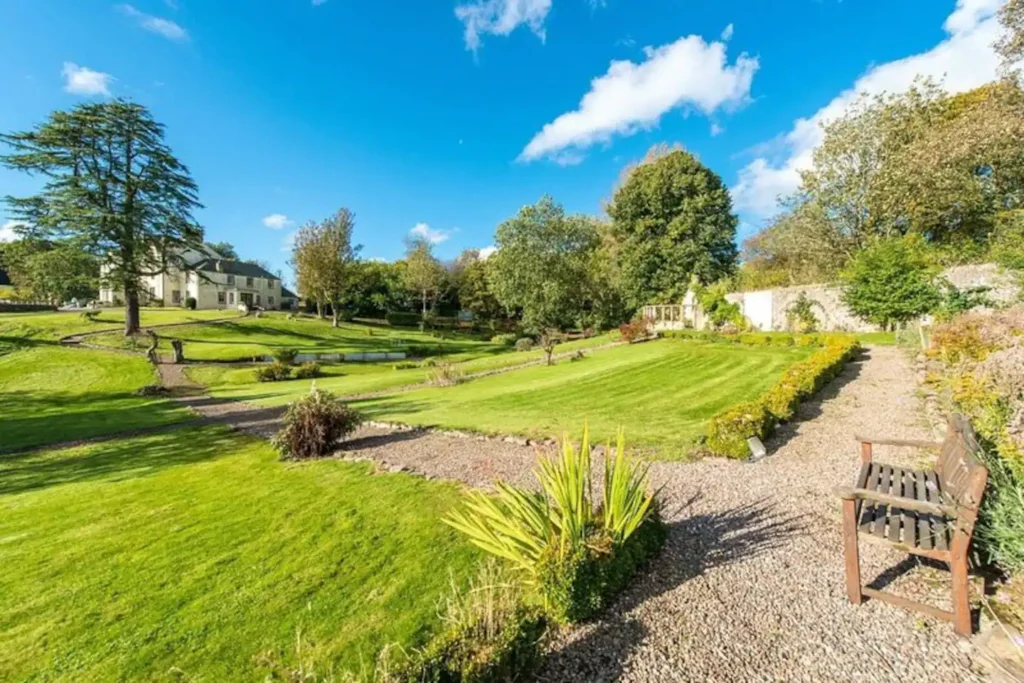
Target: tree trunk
(424, 313)
(131, 311)
(320, 309)
(334, 314)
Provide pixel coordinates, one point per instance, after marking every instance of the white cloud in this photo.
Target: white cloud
(424, 231)
(727, 33)
(962, 61)
(716, 129)
(487, 252)
(632, 97)
(164, 27)
(7, 233)
(277, 221)
(500, 18)
(80, 80)
(317, 3)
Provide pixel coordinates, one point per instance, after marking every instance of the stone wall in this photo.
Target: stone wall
(774, 304)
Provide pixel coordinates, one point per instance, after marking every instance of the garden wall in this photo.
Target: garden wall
(767, 309)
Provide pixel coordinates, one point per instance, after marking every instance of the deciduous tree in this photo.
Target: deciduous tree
(673, 219)
(424, 273)
(325, 261)
(112, 184)
(541, 266)
(891, 282)
(51, 271)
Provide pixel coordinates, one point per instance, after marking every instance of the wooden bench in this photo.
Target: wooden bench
(930, 513)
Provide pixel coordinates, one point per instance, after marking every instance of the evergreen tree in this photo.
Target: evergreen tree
(113, 185)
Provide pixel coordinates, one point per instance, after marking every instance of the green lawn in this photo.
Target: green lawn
(348, 379)
(196, 555)
(50, 394)
(252, 337)
(662, 393)
(53, 326)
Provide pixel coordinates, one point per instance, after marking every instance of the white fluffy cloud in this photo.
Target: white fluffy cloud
(164, 27)
(631, 97)
(80, 80)
(424, 231)
(727, 32)
(962, 61)
(487, 252)
(500, 18)
(277, 221)
(7, 233)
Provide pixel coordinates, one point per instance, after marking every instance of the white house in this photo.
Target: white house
(213, 281)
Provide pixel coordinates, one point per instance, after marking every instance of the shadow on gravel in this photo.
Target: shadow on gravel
(377, 440)
(695, 545)
(813, 408)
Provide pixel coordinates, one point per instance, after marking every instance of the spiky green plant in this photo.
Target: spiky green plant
(626, 499)
(527, 528)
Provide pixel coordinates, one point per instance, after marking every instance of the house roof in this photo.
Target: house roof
(242, 268)
(287, 293)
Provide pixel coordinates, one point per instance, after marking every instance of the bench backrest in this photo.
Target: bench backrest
(959, 468)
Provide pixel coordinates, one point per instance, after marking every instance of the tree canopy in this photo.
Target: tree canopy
(920, 162)
(540, 268)
(891, 282)
(424, 274)
(325, 261)
(672, 217)
(111, 184)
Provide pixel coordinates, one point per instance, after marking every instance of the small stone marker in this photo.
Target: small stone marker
(757, 449)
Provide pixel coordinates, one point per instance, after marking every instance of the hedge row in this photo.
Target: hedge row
(403, 319)
(728, 431)
(757, 338)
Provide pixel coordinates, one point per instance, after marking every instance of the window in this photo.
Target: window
(257, 299)
(270, 284)
(175, 296)
(231, 298)
(270, 301)
(221, 298)
(248, 282)
(231, 279)
(152, 291)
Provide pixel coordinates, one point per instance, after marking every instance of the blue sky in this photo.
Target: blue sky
(452, 114)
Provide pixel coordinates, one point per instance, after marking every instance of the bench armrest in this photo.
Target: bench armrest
(914, 443)
(849, 493)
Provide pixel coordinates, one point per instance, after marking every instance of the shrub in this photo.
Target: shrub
(274, 372)
(403, 319)
(728, 431)
(634, 331)
(406, 365)
(445, 374)
(800, 315)
(490, 634)
(891, 282)
(573, 553)
(190, 303)
(313, 425)
(507, 339)
(286, 356)
(308, 370)
(524, 344)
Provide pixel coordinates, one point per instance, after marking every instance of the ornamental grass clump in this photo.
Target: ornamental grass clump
(314, 424)
(574, 552)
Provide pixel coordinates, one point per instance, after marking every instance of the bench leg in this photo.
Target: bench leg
(961, 596)
(850, 551)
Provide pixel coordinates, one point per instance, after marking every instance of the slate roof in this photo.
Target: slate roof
(287, 293)
(242, 268)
